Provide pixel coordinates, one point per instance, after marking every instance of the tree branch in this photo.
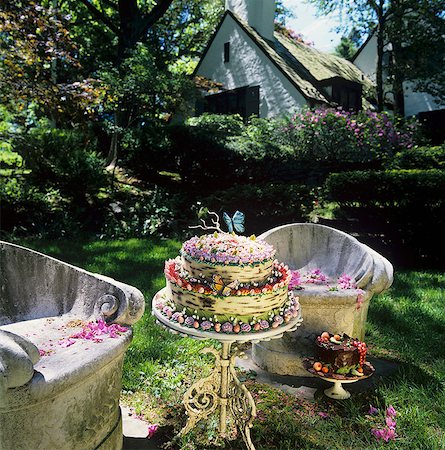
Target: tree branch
(110, 4)
(100, 16)
(155, 14)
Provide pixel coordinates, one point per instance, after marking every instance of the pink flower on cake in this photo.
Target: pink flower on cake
(227, 327)
(295, 280)
(206, 325)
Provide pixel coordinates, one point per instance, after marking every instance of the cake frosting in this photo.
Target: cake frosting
(228, 283)
(340, 354)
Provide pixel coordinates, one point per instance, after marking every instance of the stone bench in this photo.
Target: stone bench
(307, 247)
(56, 391)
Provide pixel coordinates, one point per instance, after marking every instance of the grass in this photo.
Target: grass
(406, 325)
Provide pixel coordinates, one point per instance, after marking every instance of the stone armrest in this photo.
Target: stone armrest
(17, 358)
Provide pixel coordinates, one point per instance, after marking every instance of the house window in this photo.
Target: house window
(227, 52)
(347, 96)
(244, 101)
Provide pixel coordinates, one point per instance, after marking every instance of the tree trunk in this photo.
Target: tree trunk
(395, 34)
(397, 83)
(380, 45)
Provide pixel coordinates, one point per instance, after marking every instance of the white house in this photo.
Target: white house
(267, 73)
(415, 102)
(420, 104)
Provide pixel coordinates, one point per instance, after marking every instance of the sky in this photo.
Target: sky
(315, 29)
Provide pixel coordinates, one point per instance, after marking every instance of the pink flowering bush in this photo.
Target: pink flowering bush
(328, 134)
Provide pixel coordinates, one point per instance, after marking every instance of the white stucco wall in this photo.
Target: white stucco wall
(366, 60)
(416, 102)
(249, 66)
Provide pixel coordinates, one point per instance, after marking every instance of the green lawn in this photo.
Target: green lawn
(406, 324)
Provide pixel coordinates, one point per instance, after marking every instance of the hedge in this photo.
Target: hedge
(420, 158)
(405, 208)
(386, 188)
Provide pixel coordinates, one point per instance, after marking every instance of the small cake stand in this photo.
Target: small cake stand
(222, 390)
(337, 391)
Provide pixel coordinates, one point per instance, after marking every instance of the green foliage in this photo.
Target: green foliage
(419, 158)
(345, 48)
(385, 188)
(141, 89)
(217, 125)
(40, 64)
(63, 160)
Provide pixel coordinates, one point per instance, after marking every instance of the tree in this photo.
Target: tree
(345, 48)
(34, 40)
(348, 45)
(413, 28)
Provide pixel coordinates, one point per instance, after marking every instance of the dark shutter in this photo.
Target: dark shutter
(253, 101)
(244, 101)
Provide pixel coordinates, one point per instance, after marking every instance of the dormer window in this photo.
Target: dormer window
(227, 52)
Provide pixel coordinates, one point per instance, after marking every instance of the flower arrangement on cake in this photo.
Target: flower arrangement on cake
(227, 283)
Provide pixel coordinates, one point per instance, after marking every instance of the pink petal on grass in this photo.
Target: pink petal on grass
(152, 428)
(390, 411)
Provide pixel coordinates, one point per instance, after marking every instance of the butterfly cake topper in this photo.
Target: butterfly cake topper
(234, 224)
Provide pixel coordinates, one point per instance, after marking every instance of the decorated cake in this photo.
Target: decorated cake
(340, 354)
(224, 282)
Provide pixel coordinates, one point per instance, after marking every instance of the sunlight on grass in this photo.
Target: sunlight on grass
(406, 324)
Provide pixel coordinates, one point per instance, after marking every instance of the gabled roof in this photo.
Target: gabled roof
(305, 67)
(320, 66)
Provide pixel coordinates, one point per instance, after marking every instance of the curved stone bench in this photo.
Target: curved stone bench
(57, 392)
(306, 247)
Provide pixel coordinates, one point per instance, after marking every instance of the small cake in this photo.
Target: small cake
(340, 354)
(228, 283)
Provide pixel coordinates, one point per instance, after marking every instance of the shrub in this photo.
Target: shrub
(265, 206)
(420, 158)
(61, 159)
(385, 188)
(408, 206)
(346, 137)
(218, 126)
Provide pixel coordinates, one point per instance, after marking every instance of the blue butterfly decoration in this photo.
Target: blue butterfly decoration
(234, 223)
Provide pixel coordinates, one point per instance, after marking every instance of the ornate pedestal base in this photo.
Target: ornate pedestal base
(221, 390)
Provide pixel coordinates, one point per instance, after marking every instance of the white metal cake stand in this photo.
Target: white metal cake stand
(337, 391)
(221, 391)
